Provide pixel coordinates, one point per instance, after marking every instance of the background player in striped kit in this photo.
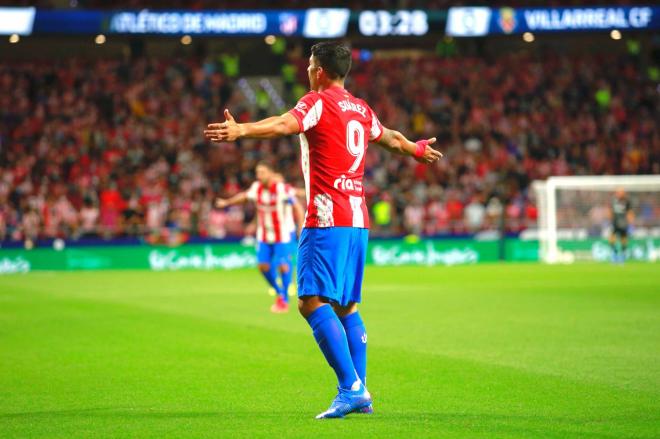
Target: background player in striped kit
(273, 199)
(294, 218)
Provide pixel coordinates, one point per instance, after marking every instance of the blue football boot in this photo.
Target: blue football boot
(347, 401)
(365, 410)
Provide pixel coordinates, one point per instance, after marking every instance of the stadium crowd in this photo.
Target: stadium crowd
(110, 148)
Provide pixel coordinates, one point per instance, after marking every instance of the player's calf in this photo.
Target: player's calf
(285, 275)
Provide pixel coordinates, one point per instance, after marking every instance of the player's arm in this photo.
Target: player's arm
(230, 130)
(397, 143)
(630, 216)
(300, 192)
(239, 198)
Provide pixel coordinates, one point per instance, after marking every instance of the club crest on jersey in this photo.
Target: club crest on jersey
(348, 184)
(347, 105)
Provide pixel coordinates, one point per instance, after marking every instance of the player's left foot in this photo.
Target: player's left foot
(347, 401)
(280, 306)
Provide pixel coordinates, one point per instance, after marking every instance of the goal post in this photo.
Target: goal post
(574, 209)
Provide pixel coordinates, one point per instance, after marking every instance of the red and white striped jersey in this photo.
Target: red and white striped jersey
(272, 202)
(335, 130)
(288, 209)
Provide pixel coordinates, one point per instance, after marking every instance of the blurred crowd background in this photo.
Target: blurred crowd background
(113, 146)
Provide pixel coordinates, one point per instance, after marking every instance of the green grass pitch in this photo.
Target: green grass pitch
(486, 351)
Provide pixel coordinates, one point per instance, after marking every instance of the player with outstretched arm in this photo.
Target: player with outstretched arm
(335, 128)
(273, 198)
(294, 218)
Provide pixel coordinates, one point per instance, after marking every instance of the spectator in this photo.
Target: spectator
(115, 148)
(88, 219)
(475, 213)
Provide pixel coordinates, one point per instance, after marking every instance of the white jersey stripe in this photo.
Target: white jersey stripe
(288, 210)
(267, 219)
(280, 208)
(281, 211)
(313, 116)
(271, 209)
(304, 162)
(358, 215)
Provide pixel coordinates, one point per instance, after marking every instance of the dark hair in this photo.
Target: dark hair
(334, 57)
(265, 164)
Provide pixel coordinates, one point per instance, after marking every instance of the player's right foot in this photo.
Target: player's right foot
(347, 401)
(365, 410)
(280, 306)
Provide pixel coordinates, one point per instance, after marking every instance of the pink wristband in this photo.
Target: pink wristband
(421, 147)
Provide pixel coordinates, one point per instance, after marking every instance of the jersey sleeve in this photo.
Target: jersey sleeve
(290, 194)
(283, 193)
(308, 111)
(376, 131)
(252, 191)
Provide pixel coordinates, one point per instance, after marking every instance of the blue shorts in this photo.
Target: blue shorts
(331, 263)
(277, 253)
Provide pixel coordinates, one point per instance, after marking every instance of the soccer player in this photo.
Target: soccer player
(335, 128)
(273, 232)
(294, 218)
(621, 216)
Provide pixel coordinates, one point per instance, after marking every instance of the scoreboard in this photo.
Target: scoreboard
(315, 23)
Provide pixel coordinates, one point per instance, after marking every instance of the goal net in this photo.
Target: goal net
(574, 221)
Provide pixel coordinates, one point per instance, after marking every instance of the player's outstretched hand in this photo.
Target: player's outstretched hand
(430, 155)
(221, 203)
(227, 131)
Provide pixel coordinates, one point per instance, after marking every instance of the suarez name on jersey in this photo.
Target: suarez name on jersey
(335, 130)
(272, 202)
